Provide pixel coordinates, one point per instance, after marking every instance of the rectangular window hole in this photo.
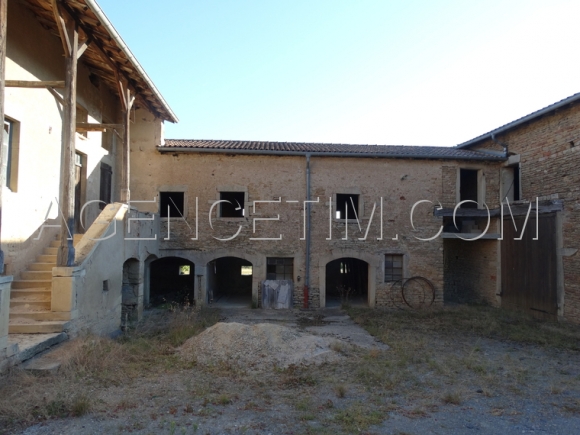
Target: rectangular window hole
(346, 203)
(234, 207)
(171, 204)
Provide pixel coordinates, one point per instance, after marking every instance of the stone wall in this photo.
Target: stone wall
(549, 150)
(282, 179)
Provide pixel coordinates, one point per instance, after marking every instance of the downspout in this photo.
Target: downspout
(307, 275)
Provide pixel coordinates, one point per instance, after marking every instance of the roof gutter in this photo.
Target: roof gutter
(135, 63)
(518, 122)
(164, 150)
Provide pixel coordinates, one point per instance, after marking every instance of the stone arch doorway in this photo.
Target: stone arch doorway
(347, 281)
(229, 281)
(171, 280)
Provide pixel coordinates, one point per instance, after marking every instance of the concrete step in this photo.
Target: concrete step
(38, 315)
(32, 283)
(42, 267)
(26, 346)
(50, 251)
(47, 259)
(31, 293)
(37, 275)
(26, 326)
(30, 305)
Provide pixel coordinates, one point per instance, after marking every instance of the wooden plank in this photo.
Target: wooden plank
(61, 25)
(66, 251)
(87, 126)
(3, 23)
(35, 84)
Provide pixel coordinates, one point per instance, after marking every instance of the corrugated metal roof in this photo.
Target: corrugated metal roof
(289, 148)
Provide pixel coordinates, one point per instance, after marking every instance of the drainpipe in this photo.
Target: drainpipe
(307, 275)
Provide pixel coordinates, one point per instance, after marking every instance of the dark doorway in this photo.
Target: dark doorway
(529, 278)
(230, 281)
(468, 187)
(347, 282)
(172, 279)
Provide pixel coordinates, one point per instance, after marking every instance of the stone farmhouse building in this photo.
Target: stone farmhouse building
(102, 216)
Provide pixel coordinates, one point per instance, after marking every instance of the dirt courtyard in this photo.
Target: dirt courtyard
(458, 370)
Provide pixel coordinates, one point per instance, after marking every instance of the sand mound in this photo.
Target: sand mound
(260, 346)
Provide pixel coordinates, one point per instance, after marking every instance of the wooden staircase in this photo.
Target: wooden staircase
(30, 297)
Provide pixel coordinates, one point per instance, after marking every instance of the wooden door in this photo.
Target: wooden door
(529, 267)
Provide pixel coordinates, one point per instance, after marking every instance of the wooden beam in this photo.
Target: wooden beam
(56, 95)
(87, 126)
(66, 250)
(35, 83)
(62, 28)
(126, 170)
(84, 45)
(3, 25)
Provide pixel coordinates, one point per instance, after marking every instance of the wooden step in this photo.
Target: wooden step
(33, 294)
(47, 259)
(25, 326)
(47, 267)
(54, 244)
(50, 251)
(39, 315)
(37, 275)
(31, 283)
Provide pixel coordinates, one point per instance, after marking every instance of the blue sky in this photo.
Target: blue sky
(367, 71)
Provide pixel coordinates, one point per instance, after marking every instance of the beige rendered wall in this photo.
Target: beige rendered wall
(100, 255)
(33, 53)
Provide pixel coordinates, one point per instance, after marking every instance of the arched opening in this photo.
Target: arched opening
(229, 281)
(130, 290)
(172, 279)
(347, 281)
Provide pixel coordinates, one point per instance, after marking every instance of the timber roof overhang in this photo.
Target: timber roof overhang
(323, 150)
(548, 110)
(107, 56)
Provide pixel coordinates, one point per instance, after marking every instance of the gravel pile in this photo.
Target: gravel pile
(259, 347)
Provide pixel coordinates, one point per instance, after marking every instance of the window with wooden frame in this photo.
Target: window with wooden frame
(393, 267)
(280, 268)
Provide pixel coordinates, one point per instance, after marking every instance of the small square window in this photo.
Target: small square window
(280, 268)
(171, 204)
(346, 203)
(185, 269)
(234, 207)
(393, 267)
(246, 270)
(106, 285)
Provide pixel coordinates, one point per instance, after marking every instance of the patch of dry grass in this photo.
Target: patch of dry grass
(91, 362)
(479, 321)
